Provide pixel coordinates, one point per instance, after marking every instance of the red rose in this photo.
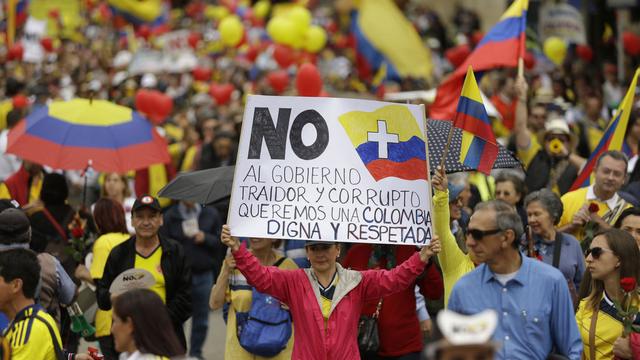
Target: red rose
(77, 232)
(628, 284)
(594, 208)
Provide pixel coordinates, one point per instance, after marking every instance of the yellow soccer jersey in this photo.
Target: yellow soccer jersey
(30, 335)
(151, 263)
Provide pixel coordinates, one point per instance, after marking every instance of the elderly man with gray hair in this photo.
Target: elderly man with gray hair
(543, 241)
(532, 298)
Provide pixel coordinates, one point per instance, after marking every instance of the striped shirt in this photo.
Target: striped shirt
(29, 336)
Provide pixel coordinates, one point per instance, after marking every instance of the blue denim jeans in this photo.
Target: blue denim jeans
(201, 284)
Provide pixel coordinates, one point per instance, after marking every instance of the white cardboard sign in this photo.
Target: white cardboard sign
(332, 169)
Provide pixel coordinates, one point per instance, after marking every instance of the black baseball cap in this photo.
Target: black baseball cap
(147, 201)
(14, 226)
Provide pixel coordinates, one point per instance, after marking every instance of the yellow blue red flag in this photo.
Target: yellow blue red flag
(500, 47)
(388, 141)
(478, 149)
(613, 137)
(396, 44)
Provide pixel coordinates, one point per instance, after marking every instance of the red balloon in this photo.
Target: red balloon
(15, 52)
(19, 101)
(283, 55)
(457, 55)
(308, 80)
(252, 53)
(144, 31)
(221, 93)
(278, 80)
(584, 52)
(47, 44)
(194, 39)
(529, 60)
(201, 74)
(154, 104)
(631, 43)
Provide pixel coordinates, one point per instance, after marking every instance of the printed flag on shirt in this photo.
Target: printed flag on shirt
(613, 137)
(478, 149)
(500, 47)
(388, 142)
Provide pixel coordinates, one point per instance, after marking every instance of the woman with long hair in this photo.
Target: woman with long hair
(116, 187)
(142, 328)
(613, 255)
(110, 221)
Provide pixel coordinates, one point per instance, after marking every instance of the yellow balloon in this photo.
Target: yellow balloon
(555, 49)
(282, 30)
(213, 12)
(261, 9)
(231, 30)
(301, 18)
(316, 38)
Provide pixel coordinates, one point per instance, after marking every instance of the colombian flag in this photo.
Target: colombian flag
(152, 12)
(500, 47)
(478, 149)
(388, 141)
(613, 136)
(396, 45)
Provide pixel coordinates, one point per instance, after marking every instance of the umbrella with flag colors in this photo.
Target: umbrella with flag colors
(71, 134)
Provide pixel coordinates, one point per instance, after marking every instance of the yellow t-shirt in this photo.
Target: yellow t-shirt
(239, 297)
(5, 108)
(101, 250)
(30, 338)
(151, 263)
(573, 201)
(608, 328)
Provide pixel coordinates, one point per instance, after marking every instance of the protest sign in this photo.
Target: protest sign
(332, 169)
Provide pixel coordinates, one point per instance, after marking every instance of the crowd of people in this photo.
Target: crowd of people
(548, 260)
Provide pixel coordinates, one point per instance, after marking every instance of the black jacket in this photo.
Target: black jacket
(177, 276)
(204, 257)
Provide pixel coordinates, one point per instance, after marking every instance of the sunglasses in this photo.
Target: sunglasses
(596, 252)
(319, 247)
(480, 234)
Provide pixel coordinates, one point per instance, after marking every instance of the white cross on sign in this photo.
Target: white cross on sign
(382, 138)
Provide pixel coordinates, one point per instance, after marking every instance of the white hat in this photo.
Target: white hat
(148, 81)
(557, 126)
(466, 330)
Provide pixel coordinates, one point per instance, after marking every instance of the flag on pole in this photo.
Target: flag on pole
(613, 137)
(500, 47)
(478, 149)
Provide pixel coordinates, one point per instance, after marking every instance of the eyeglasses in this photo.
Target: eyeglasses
(596, 252)
(319, 247)
(480, 234)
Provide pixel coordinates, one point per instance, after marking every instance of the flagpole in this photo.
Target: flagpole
(11, 22)
(446, 146)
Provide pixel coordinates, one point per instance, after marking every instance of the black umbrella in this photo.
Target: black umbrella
(202, 186)
(437, 133)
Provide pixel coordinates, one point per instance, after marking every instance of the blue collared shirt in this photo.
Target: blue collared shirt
(534, 310)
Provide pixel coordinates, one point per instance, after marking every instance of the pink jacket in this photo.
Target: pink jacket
(337, 340)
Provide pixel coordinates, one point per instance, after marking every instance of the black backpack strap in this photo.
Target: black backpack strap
(280, 261)
(56, 346)
(557, 249)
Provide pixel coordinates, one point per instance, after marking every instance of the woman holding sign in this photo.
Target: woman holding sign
(325, 300)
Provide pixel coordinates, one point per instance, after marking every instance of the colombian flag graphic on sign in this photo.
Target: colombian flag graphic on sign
(388, 141)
